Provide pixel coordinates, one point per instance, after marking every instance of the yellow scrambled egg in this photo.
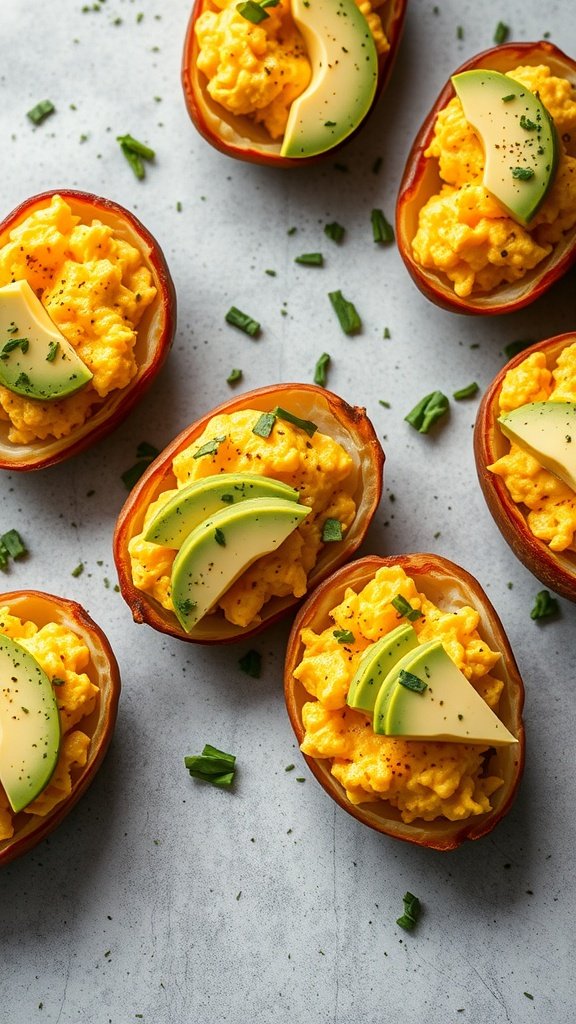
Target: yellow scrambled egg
(95, 287)
(259, 70)
(424, 780)
(63, 656)
(318, 467)
(550, 502)
(463, 231)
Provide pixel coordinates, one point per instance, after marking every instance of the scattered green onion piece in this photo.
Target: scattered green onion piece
(466, 392)
(212, 765)
(403, 607)
(228, 499)
(527, 124)
(307, 426)
(234, 376)
(428, 411)
(78, 570)
(146, 453)
(509, 98)
(241, 320)
(209, 448)
(501, 33)
(4, 556)
(411, 913)
(145, 450)
(514, 347)
(13, 544)
(382, 401)
(135, 162)
(186, 606)
(346, 312)
(382, 231)
(344, 636)
(264, 424)
(14, 343)
(219, 537)
(386, 333)
(310, 259)
(252, 11)
(331, 531)
(459, 32)
(544, 605)
(289, 767)
(411, 682)
(135, 146)
(334, 231)
(52, 351)
(41, 111)
(522, 173)
(321, 369)
(251, 663)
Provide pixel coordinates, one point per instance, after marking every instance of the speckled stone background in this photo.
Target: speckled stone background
(160, 899)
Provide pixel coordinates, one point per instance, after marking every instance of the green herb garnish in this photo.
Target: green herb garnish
(234, 376)
(411, 682)
(386, 333)
(321, 369)
(310, 259)
(78, 570)
(334, 231)
(514, 347)
(41, 111)
(251, 663)
(186, 606)
(52, 351)
(344, 636)
(307, 426)
(212, 765)
(331, 531)
(264, 424)
(428, 411)
(209, 448)
(411, 913)
(382, 231)
(466, 392)
(14, 343)
(509, 98)
(219, 537)
(527, 124)
(544, 605)
(254, 10)
(135, 152)
(12, 543)
(403, 607)
(522, 173)
(501, 33)
(244, 322)
(346, 312)
(146, 453)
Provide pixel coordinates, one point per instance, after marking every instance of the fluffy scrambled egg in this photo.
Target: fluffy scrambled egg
(425, 780)
(63, 656)
(259, 70)
(95, 286)
(318, 467)
(550, 502)
(463, 231)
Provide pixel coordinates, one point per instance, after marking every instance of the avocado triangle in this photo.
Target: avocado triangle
(375, 664)
(547, 431)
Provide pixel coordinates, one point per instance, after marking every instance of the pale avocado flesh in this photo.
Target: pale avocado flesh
(547, 431)
(223, 546)
(29, 725)
(192, 504)
(344, 63)
(518, 135)
(36, 360)
(377, 660)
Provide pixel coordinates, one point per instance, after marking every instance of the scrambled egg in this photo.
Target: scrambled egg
(63, 656)
(259, 70)
(463, 231)
(95, 287)
(425, 780)
(550, 502)
(318, 467)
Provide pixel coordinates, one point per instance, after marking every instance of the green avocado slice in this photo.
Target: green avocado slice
(218, 551)
(29, 725)
(184, 511)
(36, 360)
(375, 664)
(547, 431)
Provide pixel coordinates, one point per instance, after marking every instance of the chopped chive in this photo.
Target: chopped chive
(209, 448)
(382, 231)
(466, 392)
(382, 401)
(544, 605)
(41, 111)
(411, 682)
(292, 231)
(289, 767)
(186, 605)
(307, 426)
(509, 98)
(264, 424)
(219, 537)
(145, 450)
(78, 570)
(254, 10)
(52, 351)
(136, 147)
(244, 322)
(271, 273)
(14, 343)
(459, 32)
(344, 636)
(331, 531)
(514, 347)
(411, 913)
(234, 376)
(310, 259)
(403, 607)
(213, 766)
(334, 231)
(527, 124)
(12, 543)
(134, 161)
(320, 370)
(386, 333)
(146, 453)
(501, 33)
(428, 411)
(522, 173)
(251, 663)
(346, 312)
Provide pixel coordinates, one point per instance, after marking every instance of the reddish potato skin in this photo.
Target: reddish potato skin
(103, 669)
(258, 153)
(419, 177)
(556, 570)
(155, 342)
(307, 399)
(430, 573)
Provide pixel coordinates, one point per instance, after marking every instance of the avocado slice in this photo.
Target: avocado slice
(184, 511)
(547, 431)
(36, 360)
(344, 63)
(443, 706)
(375, 664)
(218, 551)
(518, 135)
(29, 725)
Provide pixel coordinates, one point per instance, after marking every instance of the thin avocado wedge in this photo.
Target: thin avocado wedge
(36, 360)
(427, 697)
(29, 725)
(344, 63)
(547, 431)
(223, 546)
(375, 664)
(518, 135)
(194, 503)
